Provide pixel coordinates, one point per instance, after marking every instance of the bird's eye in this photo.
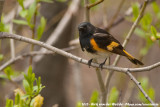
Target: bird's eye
(83, 28)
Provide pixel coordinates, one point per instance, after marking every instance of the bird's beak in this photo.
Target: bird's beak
(80, 28)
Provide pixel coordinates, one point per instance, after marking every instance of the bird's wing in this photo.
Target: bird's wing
(107, 42)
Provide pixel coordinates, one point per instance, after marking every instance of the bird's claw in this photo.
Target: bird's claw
(101, 65)
(89, 62)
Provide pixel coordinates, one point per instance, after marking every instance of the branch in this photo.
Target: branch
(4, 35)
(86, 11)
(138, 84)
(94, 4)
(31, 54)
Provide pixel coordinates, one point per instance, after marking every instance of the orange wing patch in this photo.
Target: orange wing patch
(95, 46)
(112, 45)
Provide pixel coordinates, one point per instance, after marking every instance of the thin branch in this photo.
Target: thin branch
(138, 84)
(31, 54)
(4, 35)
(86, 12)
(94, 4)
(34, 29)
(101, 84)
(12, 44)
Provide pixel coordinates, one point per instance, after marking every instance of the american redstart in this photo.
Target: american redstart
(99, 43)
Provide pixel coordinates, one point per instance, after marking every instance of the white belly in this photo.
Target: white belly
(98, 55)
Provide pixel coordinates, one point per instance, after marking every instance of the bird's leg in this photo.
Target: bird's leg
(101, 65)
(89, 62)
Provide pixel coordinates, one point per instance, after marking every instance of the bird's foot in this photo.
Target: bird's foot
(101, 65)
(89, 62)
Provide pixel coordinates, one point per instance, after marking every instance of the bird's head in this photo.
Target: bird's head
(86, 28)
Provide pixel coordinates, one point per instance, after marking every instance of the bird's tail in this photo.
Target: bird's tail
(132, 59)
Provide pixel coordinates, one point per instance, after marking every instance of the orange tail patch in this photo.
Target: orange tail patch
(132, 59)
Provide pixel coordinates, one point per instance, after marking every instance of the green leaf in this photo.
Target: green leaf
(151, 93)
(113, 95)
(25, 96)
(47, 1)
(23, 13)
(4, 27)
(94, 99)
(140, 32)
(31, 12)
(1, 57)
(21, 22)
(135, 9)
(61, 0)
(17, 99)
(154, 31)
(41, 28)
(155, 7)
(27, 87)
(146, 22)
(144, 51)
(9, 103)
(79, 104)
(144, 82)
(3, 76)
(21, 3)
(9, 72)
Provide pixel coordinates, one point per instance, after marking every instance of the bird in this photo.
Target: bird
(98, 43)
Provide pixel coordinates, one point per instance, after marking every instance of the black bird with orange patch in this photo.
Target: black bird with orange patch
(100, 43)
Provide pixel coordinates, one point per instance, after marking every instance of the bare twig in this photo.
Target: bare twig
(4, 35)
(138, 84)
(34, 29)
(86, 12)
(101, 84)
(87, 8)
(31, 54)
(94, 4)
(12, 46)
(126, 41)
